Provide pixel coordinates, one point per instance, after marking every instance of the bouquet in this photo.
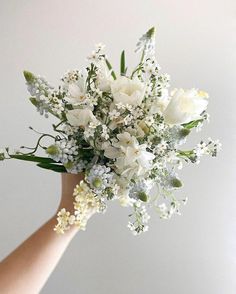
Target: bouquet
(123, 130)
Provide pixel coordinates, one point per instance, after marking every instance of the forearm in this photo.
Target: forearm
(27, 269)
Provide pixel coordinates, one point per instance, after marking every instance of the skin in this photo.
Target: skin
(28, 267)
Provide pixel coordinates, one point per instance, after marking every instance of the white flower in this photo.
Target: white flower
(104, 78)
(104, 133)
(128, 119)
(80, 117)
(149, 120)
(130, 157)
(63, 151)
(100, 46)
(162, 207)
(114, 114)
(158, 105)
(77, 92)
(125, 140)
(71, 76)
(89, 132)
(110, 151)
(99, 177)
(138, 153)
(127, 91)
(185, 106)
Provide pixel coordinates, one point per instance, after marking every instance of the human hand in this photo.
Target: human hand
(74, 210)
(68, 183)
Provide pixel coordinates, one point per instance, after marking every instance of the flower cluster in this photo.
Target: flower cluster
(138, 219)
(124, 131)
(86, 203)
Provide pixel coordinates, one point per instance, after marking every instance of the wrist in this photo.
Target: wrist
(68, 184)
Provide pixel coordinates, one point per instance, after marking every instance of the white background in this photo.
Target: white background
(193, 253)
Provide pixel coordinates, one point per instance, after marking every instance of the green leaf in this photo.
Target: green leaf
(110, 68)
(192, 124)
(185, 153)
(122, 64)
(54, 167)
(32, 158)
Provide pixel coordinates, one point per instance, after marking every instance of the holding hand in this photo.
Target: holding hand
(40, 253)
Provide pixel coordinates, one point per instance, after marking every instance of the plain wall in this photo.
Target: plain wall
(193, 253)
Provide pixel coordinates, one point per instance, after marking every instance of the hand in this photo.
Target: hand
(68, 183)
(40, 253)
(75, 219)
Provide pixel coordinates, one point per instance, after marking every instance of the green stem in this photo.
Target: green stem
(142, 57)
(136, 70)
(56, 126)
(38, 143)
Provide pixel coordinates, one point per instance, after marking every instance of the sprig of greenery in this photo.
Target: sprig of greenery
(123, 69)
(111, 69)
(43, 162)
(192, 124)
(32, 158)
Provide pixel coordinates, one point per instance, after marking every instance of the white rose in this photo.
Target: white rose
(127, 91)
(185, 106)
(80, 117)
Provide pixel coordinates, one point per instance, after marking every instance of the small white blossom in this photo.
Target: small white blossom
(99, 178)
(105, 132)
(63, 151)
(114, 114)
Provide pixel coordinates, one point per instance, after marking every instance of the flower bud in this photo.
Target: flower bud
(52, 150)
(184, 132)
(29, 76)
(176, 183)
(2, 156)
(151, 32)
(68, 165)
(97, 183)
(156, 140)
(142, 196)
